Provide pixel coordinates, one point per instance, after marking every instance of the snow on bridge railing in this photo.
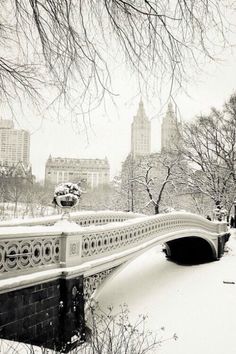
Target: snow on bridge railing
(82, 218)
(133, 232)
(28, 249)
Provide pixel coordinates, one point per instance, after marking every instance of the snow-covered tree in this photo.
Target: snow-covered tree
(157, 177)
(209, 147)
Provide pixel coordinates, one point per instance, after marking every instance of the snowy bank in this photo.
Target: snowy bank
(196, 302)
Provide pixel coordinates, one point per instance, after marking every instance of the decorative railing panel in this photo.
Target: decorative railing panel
(137, 231)
(92, 282)
(29, 253)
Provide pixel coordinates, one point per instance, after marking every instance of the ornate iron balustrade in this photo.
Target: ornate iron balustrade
(135, 232)
(28, 249)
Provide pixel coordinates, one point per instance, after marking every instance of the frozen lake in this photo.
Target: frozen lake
(191, 301)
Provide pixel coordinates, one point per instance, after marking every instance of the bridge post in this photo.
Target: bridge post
(71, 313)
(221, 244)
(71, 249)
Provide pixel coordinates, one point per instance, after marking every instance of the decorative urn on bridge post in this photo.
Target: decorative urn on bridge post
(66, 196)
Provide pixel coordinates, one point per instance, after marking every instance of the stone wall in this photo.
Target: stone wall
(47, 314)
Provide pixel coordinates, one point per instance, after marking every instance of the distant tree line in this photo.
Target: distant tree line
(21, 197)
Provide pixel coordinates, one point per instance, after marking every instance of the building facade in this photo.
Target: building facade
(170, 131)
(140, 133)
(91, 172)
(14, 145)
(142, 166)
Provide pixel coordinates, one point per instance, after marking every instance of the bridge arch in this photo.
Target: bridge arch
(190, 250)
(206, 251)
(182, 248)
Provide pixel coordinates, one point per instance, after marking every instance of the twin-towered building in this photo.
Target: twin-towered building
(96, 172)
(141, 132)
(136, 165)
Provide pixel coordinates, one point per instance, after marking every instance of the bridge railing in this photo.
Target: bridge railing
(29, 249)
(82, 218)
(23, 250)
(133, 232)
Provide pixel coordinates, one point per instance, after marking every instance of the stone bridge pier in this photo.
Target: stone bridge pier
(50, 314)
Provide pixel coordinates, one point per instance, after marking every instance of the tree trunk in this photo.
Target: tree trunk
(157, 209)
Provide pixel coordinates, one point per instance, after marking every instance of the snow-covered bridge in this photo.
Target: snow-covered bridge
(58, 267)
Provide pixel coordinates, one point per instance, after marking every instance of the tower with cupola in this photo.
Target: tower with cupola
(170, 131)
(140, 133)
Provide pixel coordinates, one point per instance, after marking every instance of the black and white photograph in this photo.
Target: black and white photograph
(117, 176)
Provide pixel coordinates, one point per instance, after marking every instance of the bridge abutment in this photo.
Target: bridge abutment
(221, 244)
(50, 314)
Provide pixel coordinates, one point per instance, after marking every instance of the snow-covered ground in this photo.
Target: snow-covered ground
(198, 303)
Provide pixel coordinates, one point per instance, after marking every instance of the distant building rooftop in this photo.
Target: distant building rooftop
(75, 161)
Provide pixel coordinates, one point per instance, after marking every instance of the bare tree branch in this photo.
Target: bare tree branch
(68, 46)
(209, 149)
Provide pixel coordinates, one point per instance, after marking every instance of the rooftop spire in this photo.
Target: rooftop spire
(140, 132)
(170, 107)
(141, 112)
(170, 114)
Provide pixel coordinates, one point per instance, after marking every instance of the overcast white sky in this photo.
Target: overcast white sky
(110, 131)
